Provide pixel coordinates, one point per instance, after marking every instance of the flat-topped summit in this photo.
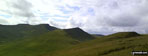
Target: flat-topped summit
(124, 34)
(22, 26)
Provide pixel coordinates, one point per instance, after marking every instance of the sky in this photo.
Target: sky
(93, 16)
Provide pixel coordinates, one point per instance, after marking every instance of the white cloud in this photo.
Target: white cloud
(94, 16)
(113, 15)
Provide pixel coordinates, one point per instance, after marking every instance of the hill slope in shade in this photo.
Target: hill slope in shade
(46, 41)
(103, 46)
(12, 32)
(79, 34)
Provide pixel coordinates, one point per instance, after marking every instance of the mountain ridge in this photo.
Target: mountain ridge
(12, 32)
(38, 40)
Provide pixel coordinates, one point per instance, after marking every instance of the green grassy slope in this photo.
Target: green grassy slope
(36, 46)
(43, 43)
(119, 44)
(13, 32)
(44, 40)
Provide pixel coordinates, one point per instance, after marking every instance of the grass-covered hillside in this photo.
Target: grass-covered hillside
(39, 40)
(44, 40)
(13, 32)
(118, 44)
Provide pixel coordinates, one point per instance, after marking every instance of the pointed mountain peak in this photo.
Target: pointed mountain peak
(79, 34)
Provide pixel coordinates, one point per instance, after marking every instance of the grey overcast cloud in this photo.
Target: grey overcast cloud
(93, 16)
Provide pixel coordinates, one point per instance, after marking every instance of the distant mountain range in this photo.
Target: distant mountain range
(45, 40)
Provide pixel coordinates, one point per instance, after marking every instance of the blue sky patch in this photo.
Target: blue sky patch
(91, 11)
(61, 16)
(59, 20)
(62, 9)
(75, 8)
(6, 16)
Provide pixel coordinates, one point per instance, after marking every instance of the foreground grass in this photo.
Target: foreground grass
(36, 46)
(108, 46)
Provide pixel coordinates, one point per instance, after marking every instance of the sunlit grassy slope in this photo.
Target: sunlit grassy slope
(118, 44)
(38, 40)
